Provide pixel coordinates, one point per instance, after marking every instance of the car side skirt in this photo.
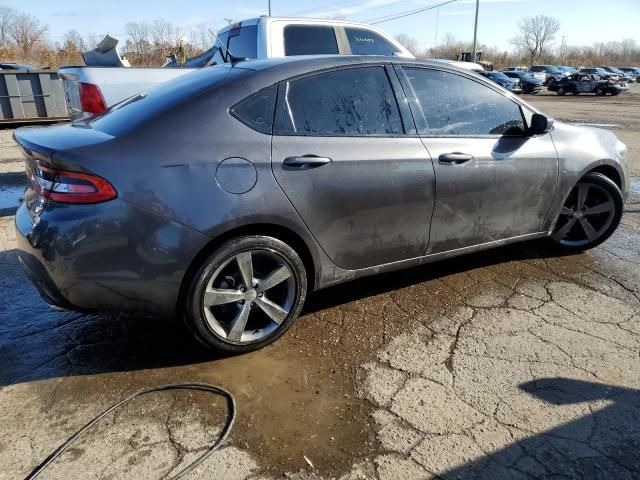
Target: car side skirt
(332, 275)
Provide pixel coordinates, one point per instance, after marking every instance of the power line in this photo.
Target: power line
(388, 18)
(336, 6)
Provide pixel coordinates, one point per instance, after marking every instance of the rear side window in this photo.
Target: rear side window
(256, 111)
(310, 40)
(357, 101)
(243, 42)
(367, 42)
(454, 105)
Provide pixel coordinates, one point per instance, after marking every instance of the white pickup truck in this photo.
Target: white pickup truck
(91, 90)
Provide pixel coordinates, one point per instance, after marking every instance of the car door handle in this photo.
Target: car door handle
(306, 161)
(455, 157)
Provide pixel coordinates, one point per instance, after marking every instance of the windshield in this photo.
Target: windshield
(615, 70)
(553, 69)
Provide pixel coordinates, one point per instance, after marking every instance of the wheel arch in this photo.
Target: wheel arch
(608, 171)
(280, 232)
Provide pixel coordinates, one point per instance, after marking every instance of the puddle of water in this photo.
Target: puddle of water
(11, 191)
(10, 197)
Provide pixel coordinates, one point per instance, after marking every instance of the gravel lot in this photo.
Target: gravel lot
(514, 363)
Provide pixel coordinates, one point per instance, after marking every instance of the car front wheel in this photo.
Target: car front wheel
(246, 294)
(590, 214)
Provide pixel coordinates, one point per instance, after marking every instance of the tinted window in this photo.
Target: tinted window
(310, 40)
(256, 111)
(367, 42)
(243, 42)
(456, 105)
(357, 101)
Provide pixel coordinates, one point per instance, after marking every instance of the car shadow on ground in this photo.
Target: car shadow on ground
(386, 282)
(600, 446)
(37, 343)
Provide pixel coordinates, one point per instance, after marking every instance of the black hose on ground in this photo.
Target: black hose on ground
(231, 418)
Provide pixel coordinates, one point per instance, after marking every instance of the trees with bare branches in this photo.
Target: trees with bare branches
(536, 33)
(7, 19)
(408, 42)
(26, 32)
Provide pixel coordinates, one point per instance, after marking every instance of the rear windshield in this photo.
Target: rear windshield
(243, 42)
(310, 40)
(132, 112)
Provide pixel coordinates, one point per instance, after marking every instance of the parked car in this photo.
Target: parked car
(551, 73)
(225, 195)
(566, 70)
(511, 84)
(622, 76)
(92, 90)
(529, 83)
(601, 72)
(587, 83)
(515, 69)
(632, 72)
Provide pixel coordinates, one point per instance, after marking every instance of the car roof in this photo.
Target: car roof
(320, 21)
(297, 65)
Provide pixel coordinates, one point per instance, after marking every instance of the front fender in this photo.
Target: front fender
(580, 151)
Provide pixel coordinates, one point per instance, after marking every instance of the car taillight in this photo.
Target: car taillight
(69, 187)
(91, 99)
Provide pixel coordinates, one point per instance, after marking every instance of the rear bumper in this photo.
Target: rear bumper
(108, 256)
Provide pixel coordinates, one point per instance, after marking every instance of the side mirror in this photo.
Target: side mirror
(540, 124)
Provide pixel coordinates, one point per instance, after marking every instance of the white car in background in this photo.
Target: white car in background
(91, 90)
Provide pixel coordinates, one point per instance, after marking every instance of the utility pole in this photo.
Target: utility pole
(435, 40)
(269, 7)
(475, 33)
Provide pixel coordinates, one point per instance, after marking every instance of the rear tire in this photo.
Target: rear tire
(600, 92)
(561, 91)
(590, 214)
(227, 314)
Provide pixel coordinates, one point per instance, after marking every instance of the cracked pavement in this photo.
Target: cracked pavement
(513, 363)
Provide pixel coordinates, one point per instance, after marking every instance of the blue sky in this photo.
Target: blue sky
(583, 21)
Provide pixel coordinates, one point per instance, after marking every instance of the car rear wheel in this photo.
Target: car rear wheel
(590, 214)
(246, 294)
(561, 91)
(600, 91)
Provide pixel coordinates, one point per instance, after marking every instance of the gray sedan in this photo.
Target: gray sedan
(224, 196)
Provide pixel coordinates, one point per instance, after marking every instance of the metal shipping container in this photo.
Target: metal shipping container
(31, 95)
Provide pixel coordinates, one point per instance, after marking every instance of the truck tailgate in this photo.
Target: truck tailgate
(114, 84)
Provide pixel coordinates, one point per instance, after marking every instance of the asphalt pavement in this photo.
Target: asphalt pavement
(513, 363)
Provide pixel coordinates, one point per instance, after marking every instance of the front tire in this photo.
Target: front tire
(590, 214)
(246, 294)
(561, 91)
